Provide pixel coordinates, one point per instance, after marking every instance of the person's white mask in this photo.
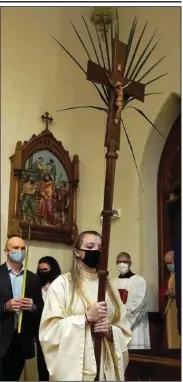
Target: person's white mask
(123, 268)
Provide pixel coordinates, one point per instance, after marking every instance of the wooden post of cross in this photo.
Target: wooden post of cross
(119, 85)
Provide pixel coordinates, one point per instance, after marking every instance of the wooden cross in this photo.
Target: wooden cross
(45, 117)
(119, 86)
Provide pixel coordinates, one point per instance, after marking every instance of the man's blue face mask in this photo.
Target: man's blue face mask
(171, 267)
(17, 257)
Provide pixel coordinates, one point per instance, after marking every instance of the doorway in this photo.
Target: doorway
(169, 204)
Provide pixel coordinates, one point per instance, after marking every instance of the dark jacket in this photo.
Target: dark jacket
(30, 321)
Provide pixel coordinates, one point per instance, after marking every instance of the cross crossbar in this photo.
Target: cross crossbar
(98, 74)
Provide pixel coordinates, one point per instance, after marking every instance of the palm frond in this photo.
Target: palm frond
(116, 26)
(83, 70)
(155, 79)
(111, 31)
(106, 44)
(145, 60)
(132, 70)
(135, 52)
(112, 37)
(130, 99)
(86, 50)
(71, 56)
(145, 116)
(84, 107)
(151, 68)
(130, 40)
(132, 152)
(91, 39)
(81, 41)
(95, 51)
(136, 69)
(100, 47)
(152, 93)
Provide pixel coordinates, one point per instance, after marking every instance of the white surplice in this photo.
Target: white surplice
(136, 309)
(44, 291)
(67, 341)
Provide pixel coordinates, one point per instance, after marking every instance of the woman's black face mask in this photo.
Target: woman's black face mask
(92, 258)
(45, 277)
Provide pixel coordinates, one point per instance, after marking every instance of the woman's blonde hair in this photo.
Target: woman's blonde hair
(77, 278)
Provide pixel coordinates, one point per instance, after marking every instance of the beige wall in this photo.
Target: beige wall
(37, 76)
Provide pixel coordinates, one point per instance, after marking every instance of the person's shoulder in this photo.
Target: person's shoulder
(61, 280)
(3, 267)
(32, 274)
(138, 279)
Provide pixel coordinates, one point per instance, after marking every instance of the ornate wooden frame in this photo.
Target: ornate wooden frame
(43, 141)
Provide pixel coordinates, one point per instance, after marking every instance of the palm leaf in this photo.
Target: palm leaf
(131, 149)
(133, 98)
(131, 71)
(81, 41)
(116, 26)
(106, 44)
(91, 39)
(155, 79)
(135, 69)
(95, 51)
(147, 119)
(130, 39)
(83, 70)
(100, 47)
(145, 60)
(135, 51)
(151, 68)
(112, 32)
(86, 50)
(84, 107)
(71, 56)
(127, 101)
(153, 93)
(112, 36)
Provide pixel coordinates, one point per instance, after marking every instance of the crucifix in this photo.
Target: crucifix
(118, 87)
(45, 118)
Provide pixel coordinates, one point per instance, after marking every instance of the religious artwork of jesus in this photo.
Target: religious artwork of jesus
(46, 206)
(44, 191)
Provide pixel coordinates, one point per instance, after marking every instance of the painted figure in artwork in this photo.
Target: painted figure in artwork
(52, 169)
(46, 206)
(38, 164)
(62, 204)
(28, 200)
(45, 198)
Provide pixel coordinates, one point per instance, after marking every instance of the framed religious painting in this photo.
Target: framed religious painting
(43, 190)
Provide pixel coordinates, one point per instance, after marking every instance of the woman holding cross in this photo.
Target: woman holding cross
(72, 318)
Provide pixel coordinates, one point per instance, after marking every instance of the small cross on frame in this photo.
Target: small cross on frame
(45, 118)
(119, 86)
